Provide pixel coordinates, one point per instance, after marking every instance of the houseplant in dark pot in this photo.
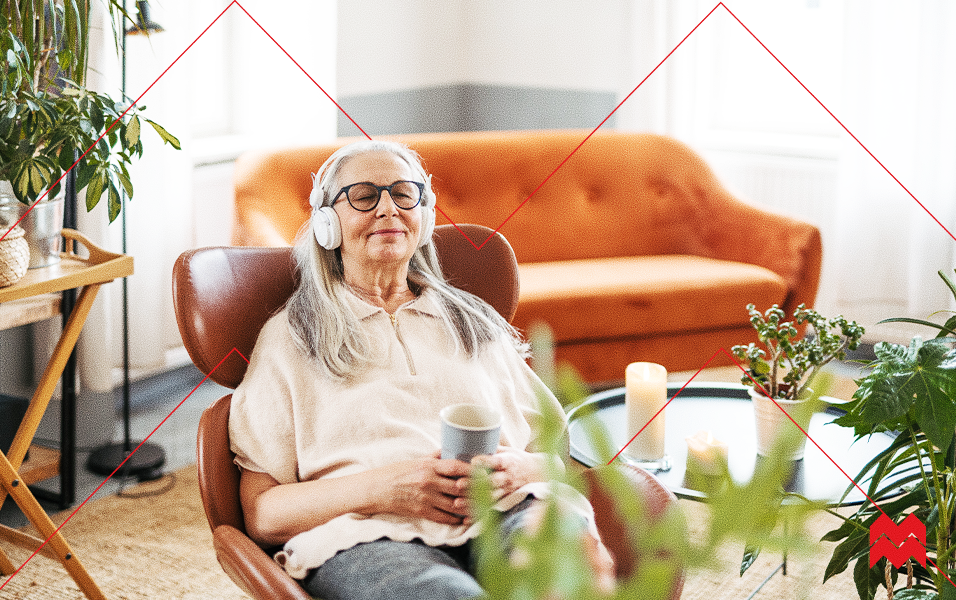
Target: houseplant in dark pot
(49, 119)
(909, 390)
(780, 372)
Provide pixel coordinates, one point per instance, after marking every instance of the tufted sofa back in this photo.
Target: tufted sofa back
(611, 198)
(620, 194)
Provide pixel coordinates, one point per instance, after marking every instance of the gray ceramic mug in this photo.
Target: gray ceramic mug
(469, 430)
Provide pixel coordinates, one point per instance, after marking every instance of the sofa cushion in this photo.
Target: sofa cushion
(608, 298)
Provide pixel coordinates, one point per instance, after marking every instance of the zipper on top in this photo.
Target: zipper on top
(408, 355)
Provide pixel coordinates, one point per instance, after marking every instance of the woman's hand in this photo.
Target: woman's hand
(512, 468)
(429, 488)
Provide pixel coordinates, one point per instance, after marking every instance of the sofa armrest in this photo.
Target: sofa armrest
(614, 533)
(789, 247)
(272, 195)
(251, 569)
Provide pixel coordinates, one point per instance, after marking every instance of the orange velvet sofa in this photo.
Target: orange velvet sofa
(631, 251)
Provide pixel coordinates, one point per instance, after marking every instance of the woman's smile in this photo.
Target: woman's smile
(389, 232)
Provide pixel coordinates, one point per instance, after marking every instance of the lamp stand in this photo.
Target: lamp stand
(147, 463)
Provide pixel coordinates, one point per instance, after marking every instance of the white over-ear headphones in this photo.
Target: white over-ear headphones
(328, 230)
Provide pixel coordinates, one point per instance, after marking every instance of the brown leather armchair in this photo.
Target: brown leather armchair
(222, 298)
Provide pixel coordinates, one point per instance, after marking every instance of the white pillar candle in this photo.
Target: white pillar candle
(645, 395)
(706, 454)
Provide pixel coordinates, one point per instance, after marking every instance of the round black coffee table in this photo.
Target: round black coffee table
(726, 411)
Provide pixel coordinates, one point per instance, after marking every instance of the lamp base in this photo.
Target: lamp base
(145, 465)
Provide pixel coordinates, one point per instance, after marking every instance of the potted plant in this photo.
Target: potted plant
(48, 118)
(780, 372)
(910, 390)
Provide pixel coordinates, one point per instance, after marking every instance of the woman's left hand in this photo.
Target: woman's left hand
(512, 468)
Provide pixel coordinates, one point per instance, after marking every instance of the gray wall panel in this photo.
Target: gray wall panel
(474, 107)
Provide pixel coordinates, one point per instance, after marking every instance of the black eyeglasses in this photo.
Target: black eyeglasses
(364, 196)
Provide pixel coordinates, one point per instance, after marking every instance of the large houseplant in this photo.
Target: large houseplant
(48, 118)
(910, 390)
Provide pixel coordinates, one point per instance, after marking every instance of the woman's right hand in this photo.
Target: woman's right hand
(429, 488)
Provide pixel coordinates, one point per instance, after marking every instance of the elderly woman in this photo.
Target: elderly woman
(335, 426)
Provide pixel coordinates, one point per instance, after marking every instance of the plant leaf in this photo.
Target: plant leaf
(845, 551)
(915, 594)
(751, 553)
(115, 202)
(167, 137)
(946, 329)
(94, 190)
(863, 577)
(131, 135)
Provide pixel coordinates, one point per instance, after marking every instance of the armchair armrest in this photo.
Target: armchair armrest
(251, 569)
(615, 535)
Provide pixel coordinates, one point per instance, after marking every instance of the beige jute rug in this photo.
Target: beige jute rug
(161, 547)
(151, 547)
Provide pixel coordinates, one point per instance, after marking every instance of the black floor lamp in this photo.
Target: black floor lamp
(147, 463)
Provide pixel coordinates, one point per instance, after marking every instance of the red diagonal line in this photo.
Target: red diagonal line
(121, 464)
(666, 403)
(155, 81)
(767, 394)
(867, 150)
(300, 68)
(117, 120)
(757, 386)
(535, 191)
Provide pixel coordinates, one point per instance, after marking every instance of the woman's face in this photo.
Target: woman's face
(387, 235)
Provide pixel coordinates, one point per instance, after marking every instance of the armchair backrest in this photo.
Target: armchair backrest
(224, 295)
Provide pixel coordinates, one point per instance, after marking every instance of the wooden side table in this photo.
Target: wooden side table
(33, 298)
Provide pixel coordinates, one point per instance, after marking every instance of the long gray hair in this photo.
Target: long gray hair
(321, 321)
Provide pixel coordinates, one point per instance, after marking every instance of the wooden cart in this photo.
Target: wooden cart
(31, 299)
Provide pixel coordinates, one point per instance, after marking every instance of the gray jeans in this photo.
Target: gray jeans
(386, 569)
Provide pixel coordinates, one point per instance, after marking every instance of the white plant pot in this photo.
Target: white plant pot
(772, 422)
(43, 226)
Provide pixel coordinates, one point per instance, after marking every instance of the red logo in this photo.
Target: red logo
(898, 542)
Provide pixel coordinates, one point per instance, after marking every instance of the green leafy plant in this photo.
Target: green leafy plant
(551, 563)
(910, 390)
(48, 118)
(785, 366)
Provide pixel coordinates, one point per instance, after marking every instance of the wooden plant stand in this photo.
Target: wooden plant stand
(31, 299)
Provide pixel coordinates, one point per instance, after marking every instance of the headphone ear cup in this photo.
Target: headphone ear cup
(326, 228)
(428, 225)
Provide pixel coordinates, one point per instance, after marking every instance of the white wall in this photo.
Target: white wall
(552, 44)
(387, 45)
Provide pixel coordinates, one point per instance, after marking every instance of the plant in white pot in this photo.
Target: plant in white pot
(48, 118)
(779, 373)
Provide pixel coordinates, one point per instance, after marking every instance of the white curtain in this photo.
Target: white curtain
(886, 69)
(900, 101)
